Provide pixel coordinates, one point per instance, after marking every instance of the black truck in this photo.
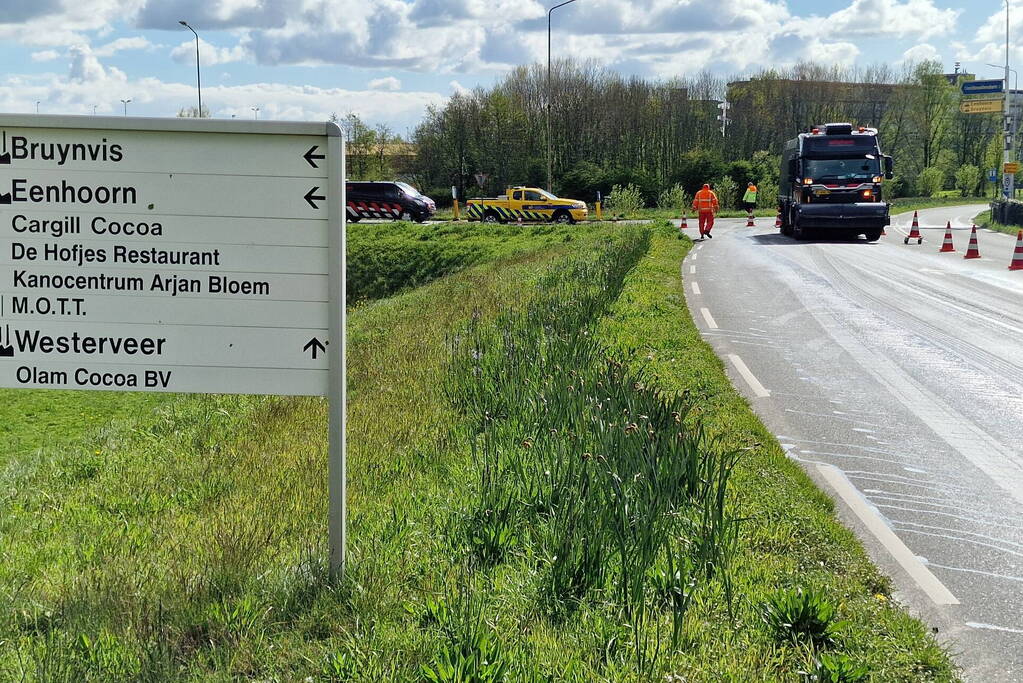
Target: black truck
(831, 183)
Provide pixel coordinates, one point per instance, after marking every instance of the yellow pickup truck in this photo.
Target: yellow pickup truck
(527, 204)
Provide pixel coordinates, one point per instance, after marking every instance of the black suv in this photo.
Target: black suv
(387, 199)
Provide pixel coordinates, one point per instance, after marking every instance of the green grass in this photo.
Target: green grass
(386, 258)
(984, 220)
(905, 204)
(185, 540)
(790, 537)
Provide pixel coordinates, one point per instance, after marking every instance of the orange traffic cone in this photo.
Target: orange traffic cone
(947, 244)
(973, 251)
(777, 221)
(1017, 255)
(682, 225)
(749, 221)
(914, 233)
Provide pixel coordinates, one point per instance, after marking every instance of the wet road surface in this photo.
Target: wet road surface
(894, 374)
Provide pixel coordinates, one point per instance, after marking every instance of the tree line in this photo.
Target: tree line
(665, 137)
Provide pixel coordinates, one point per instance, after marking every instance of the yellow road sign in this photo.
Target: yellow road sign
(981, 106)
(1011, 167)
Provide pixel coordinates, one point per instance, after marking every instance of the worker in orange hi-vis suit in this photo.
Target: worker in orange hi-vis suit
(705, 203)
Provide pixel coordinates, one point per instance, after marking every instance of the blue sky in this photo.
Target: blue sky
(387, 60)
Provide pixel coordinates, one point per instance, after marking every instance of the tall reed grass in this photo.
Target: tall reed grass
(581, 463)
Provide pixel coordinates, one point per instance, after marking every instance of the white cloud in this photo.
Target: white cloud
(920, 53)
(458, 89)
(45, 56)
(209, 54)
(113, 47)
(89, 82)
(388, 83)
(879, 18)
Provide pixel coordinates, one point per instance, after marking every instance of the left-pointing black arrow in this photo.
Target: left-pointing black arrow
(311, 197)
(311, 154)
(314, 346)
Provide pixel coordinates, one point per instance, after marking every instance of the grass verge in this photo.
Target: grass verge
(984, 220)
(905, 204)
(790, 537)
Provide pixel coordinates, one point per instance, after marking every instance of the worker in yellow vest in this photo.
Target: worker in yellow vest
(705, 202)
(749, 200)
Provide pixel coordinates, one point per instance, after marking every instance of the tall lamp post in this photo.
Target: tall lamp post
(1008, 179)
(125, 103)
(255, 112)
(550, 157)
(198, 81)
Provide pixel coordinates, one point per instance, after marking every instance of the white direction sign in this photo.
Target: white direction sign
(174, 255)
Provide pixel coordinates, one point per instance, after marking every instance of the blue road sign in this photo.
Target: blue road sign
(992, 175)
(983, 87)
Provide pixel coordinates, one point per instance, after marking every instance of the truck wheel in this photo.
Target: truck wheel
(491, 217)
(798, 231)
(873, 235)
(354, 219)
(563, 217)
(406, 216)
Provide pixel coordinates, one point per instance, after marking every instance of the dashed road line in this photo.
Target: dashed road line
(692, 270)
(923, 577)
(709, 318)
(758, 389)
(696, 287)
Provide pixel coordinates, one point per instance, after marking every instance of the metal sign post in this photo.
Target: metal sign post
(176, 255)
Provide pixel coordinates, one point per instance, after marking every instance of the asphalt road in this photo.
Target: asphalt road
(894, 374)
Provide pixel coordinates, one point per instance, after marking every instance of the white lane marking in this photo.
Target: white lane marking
(758, 389)
(927, 581)
(992, 627)
(693, 257)
(696, 287)
(692, 270)
(709, 318)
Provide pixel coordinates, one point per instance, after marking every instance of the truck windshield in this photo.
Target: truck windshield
(841, 169)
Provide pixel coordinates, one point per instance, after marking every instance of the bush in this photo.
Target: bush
(967, 180)
(930, 182)
(696, 168)
(727, 191)
(674, 198)
(625, 200)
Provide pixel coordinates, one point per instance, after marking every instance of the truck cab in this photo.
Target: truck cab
(831, 183)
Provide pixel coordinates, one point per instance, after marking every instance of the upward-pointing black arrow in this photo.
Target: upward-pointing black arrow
(311, 195)
(315, 345)
(5, 156)
(310, 155)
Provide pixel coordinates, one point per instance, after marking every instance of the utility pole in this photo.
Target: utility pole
(550, 164)
(723, 116)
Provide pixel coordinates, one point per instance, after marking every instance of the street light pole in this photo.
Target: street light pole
(550, 157)
(198, 81)
(255, 111)
(1008, 179)
(125, 103)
